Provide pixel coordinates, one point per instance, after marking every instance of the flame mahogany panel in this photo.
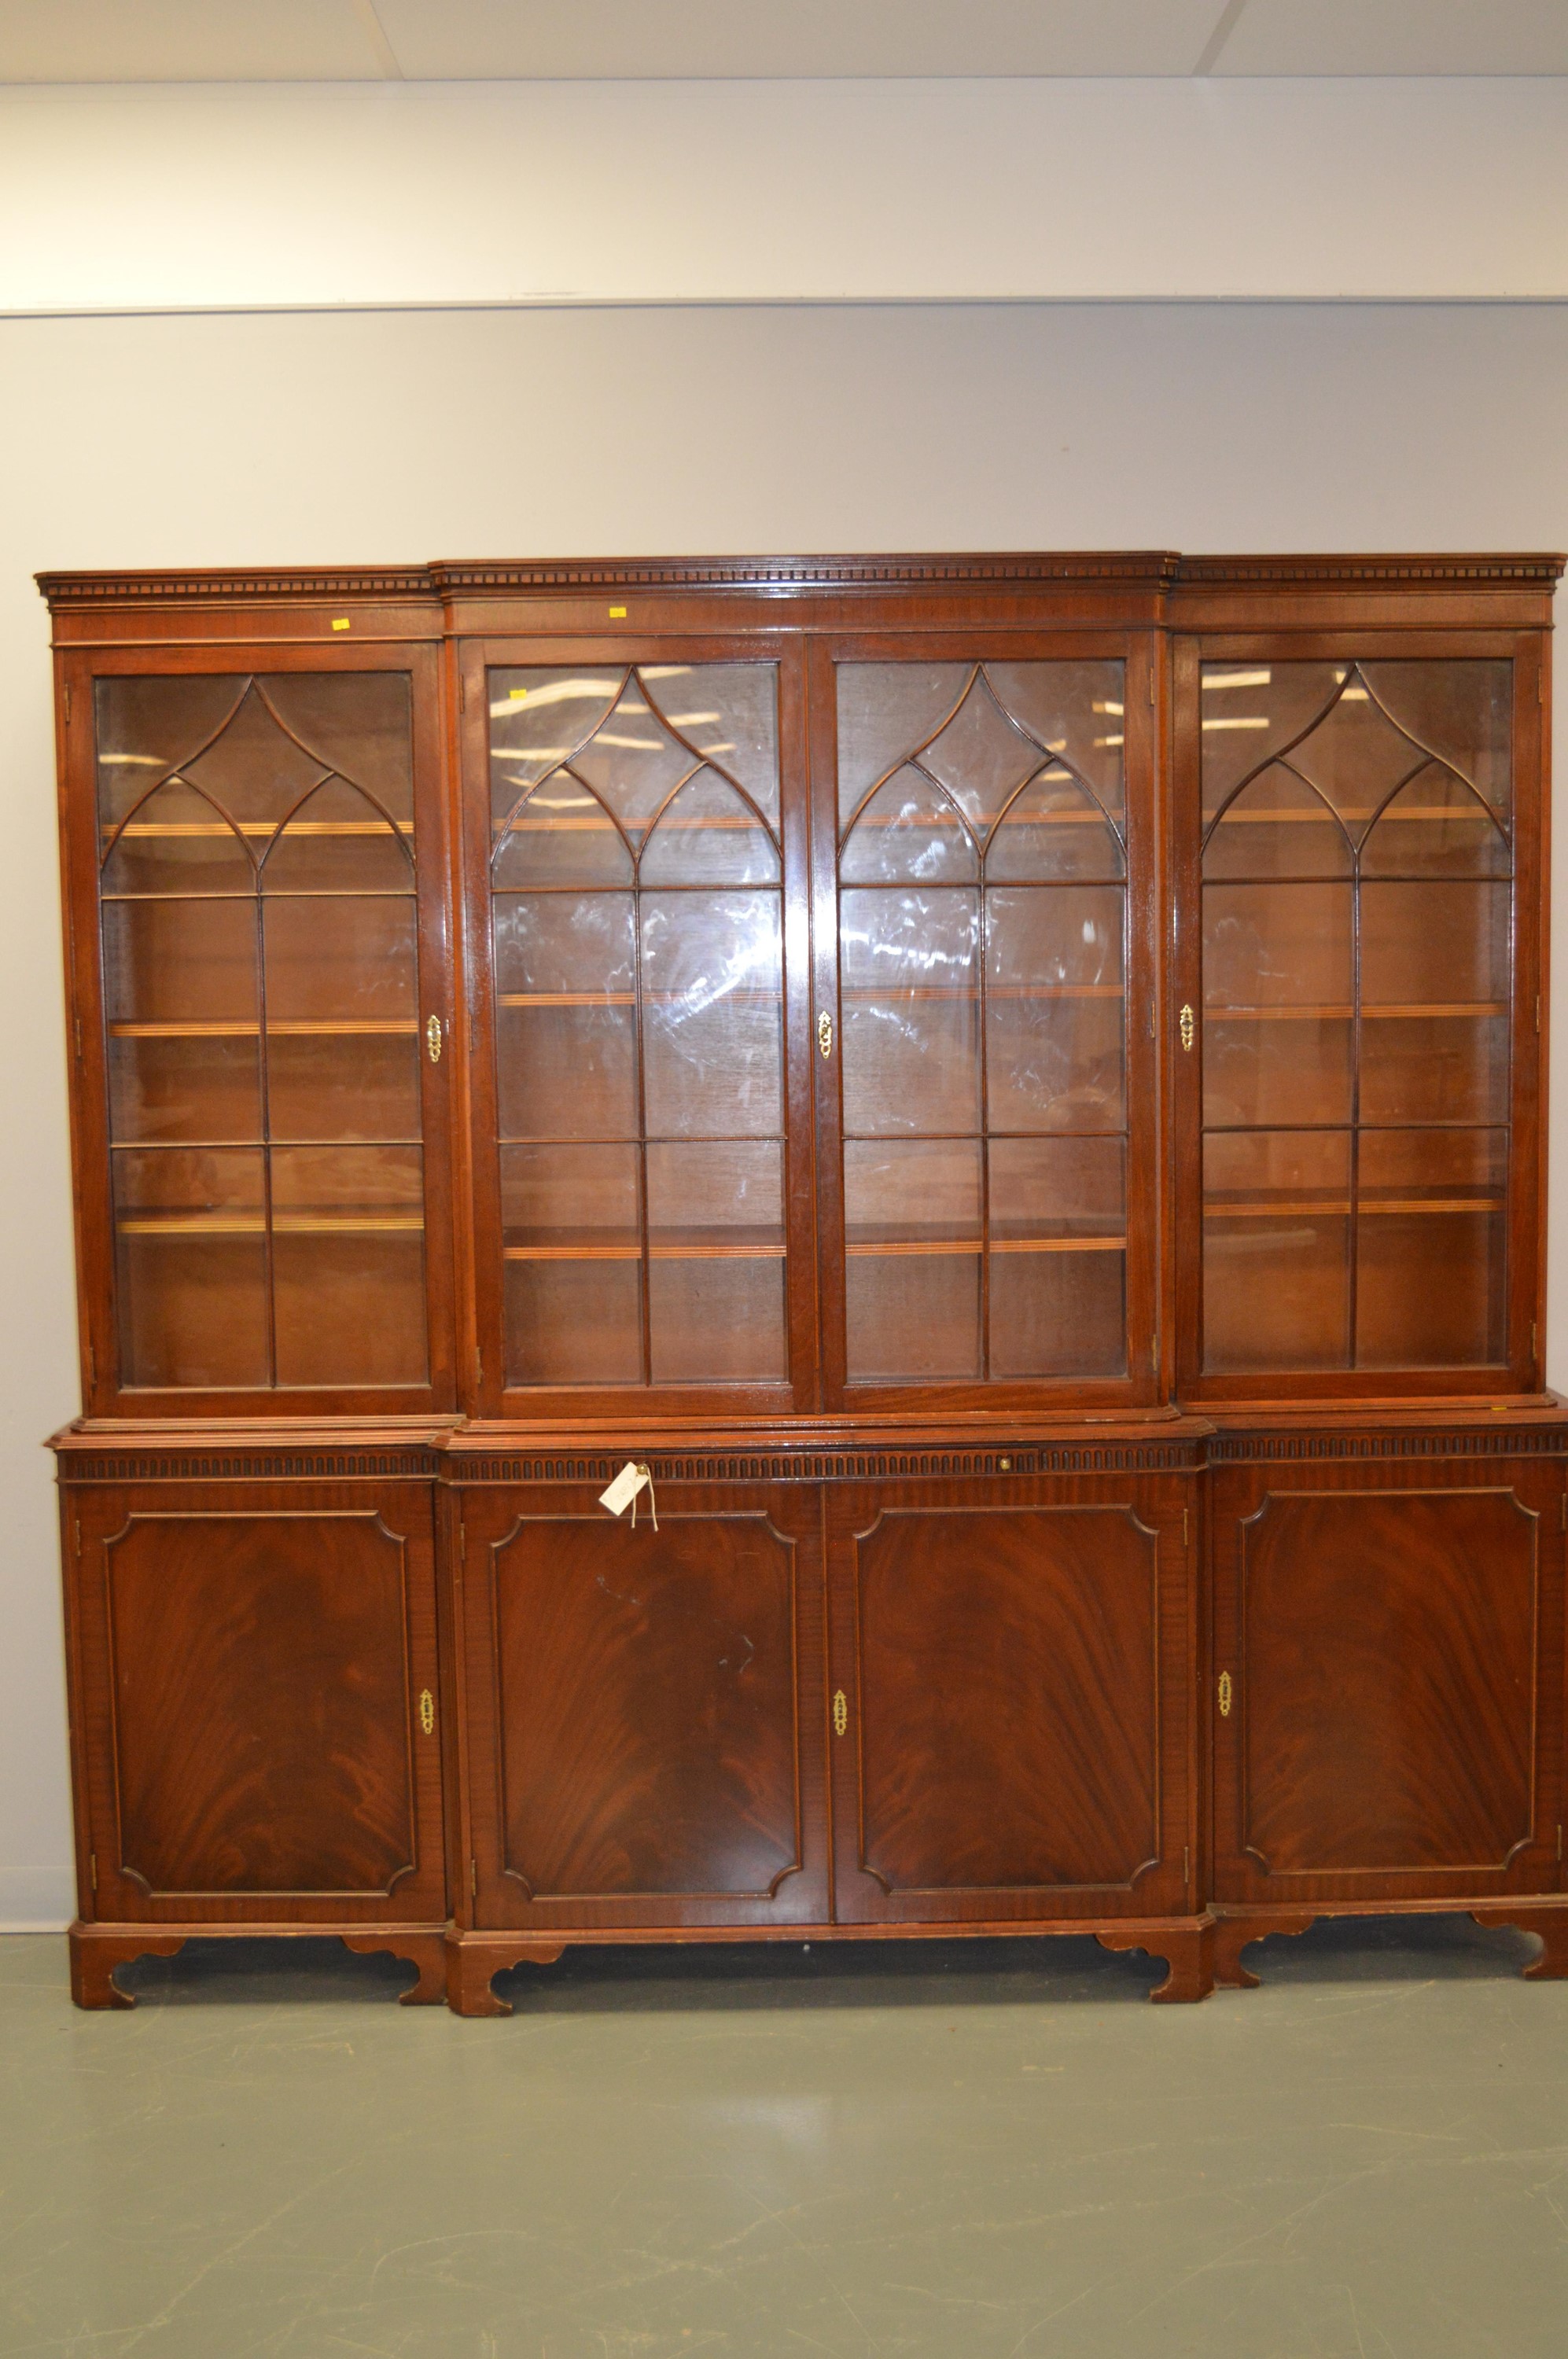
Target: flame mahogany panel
(1016, 1741)
(261, 1738)
(641, 1699)
(1393, 1641)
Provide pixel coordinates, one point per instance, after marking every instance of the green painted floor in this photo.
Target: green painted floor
(940, 2151)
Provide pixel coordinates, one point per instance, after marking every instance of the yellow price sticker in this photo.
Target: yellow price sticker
(520, 695)
(617, 614)
(342, 626)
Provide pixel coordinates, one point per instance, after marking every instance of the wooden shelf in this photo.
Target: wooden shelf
(1255, 1209)
(311, 1028)
(257, 827)
(1339, 1011)
(290, 1224)
(879, 991)
(634, 1253)
(998, 1246)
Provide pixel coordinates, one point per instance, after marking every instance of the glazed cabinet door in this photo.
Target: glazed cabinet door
(1357, 1053)
(256, 1703)
(258, 907)
(1012, 1687)
(1388, 1680)
(644, 1706)
(635, 847)
(985, 889)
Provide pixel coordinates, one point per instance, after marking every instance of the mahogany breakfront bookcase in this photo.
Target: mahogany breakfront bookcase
(1014, 1085)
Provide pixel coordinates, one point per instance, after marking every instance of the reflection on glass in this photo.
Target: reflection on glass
(260, 967)
(982, 976)
(639, 962)
(1357, 983)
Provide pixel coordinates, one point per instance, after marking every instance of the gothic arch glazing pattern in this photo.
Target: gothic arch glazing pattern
(982, 862)
(1358, 874)
(259, 945)
(637, 932)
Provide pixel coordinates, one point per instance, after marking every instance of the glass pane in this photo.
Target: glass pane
(573, 1263)
(1355, 754)
(1055, 833)
(341, 962)
(1276, 1250)
(908, 834)
(355, 723)
(1431, 1239)
(1434, 1005)
(1433, 827)
(1461, 710)
(886, 712)
(254, 770)
(336, 841)
(1054, 1008)
(707, 836)
(566, 1016)
(190, 1266)
(1058, 1257)
(712, 1018)
(561, 835)
(910, 990)
(1254, 711)
(729, 711)
(177, 842)
(184, 963)
(1075, 709)
(348, 1265)
(1278, 946)
(913, 1234)
(633, 762)
(146, 727)
(716, 1216)
(982, 756)
(1279, 826)
(343, 1085)
(165, 1086)
(538, 719)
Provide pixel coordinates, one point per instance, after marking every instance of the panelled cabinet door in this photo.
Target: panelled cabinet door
(985, 933)
(261, 930)
(1010, 1683)
(258, 1710)
(1358, 1061)
(635, 863)
(645, 1737)
(1388, 1680)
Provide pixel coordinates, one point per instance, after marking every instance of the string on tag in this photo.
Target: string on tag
(647, 1474)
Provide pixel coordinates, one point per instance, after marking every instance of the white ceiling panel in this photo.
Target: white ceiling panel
(436, 40)
(187, 41)
(1397, 37)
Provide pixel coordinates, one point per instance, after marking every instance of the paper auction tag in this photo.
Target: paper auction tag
(624, 1489)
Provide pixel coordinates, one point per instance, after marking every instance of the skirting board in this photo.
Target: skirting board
(36, 1899)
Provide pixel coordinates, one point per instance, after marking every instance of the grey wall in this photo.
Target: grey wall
(357, 438)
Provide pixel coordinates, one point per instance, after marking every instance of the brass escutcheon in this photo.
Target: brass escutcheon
(1225, 1695)
(1189, 1029)
(433, 1039)
(841, 1713)
(427, 1711)
(825, 1033)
